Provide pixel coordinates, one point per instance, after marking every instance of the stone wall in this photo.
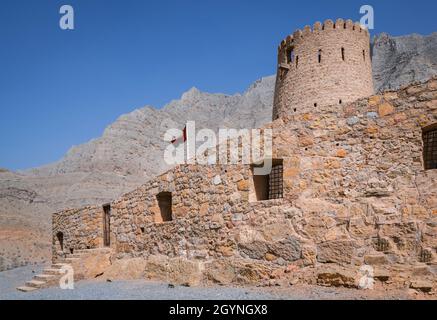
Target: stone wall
(344, 73)
(355, 193)
(359, 187)
(202, 198)
(80, 228)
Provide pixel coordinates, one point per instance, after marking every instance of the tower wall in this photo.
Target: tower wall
(343, 74)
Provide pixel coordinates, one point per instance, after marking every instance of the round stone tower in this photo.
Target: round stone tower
(328, 65)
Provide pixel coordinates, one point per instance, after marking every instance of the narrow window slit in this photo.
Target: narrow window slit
(290, 55)
(107, 225)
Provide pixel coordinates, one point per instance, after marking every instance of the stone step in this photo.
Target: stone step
(65, 261)
(45, 277)
(50, 280)
(92, 250)
(75, 255)
(58, 265)
(52, 271)
(36, 284)
(26, 289)
(81, 251)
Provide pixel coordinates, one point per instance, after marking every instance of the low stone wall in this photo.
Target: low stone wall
(80, 229)
(209, 205)
(355, 194)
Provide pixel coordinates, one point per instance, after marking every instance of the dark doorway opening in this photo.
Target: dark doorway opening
(165, 207)
(60, 237)
(107, 225)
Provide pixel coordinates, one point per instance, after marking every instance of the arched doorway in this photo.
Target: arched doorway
(60, 238)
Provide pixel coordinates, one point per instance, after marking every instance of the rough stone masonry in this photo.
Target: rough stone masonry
(354, 185)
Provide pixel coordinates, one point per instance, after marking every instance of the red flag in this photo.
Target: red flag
(181, 139)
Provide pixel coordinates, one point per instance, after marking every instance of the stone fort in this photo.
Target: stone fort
(353, 187)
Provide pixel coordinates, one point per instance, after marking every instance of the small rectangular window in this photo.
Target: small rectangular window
(270, 186)
(430, 148)
(276, 182)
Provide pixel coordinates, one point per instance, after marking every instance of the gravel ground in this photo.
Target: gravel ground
(118, 290)
(146, 290)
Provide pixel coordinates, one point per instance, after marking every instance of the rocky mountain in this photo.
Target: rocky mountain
(130, 151)
(398, 61)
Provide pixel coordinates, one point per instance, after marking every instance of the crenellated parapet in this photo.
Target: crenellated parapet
(340, 25)
(327, 64)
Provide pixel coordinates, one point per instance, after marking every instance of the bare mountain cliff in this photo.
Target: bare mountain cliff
(398, 61)
(131, 149)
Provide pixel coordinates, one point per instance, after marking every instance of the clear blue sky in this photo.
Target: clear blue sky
(62, 88)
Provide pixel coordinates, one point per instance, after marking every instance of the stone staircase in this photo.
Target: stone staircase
(79, 261)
